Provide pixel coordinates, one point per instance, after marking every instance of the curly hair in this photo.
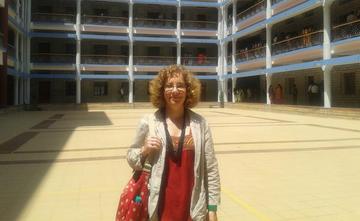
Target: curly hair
(157, 86)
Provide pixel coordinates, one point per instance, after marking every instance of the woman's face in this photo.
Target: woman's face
(175, 91)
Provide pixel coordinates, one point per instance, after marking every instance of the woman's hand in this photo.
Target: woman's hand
(151, 145)
(212, 216)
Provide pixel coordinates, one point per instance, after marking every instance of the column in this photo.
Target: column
(268, 51)
(27, 80)
(3, 67)
(234, 16)
(16, 90)
(220, 57)
(78, 52)
(131, 52)
(327, 54)
(178, 34)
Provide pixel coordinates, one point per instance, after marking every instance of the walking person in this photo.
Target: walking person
(184, 183)
(294, 94)
(278, 94)
(313, 92)
(271, 94)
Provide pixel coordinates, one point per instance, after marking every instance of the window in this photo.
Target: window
(100, 89)
(70, 88)
(349, 84)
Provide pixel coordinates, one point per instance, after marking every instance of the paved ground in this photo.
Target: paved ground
(69, 165)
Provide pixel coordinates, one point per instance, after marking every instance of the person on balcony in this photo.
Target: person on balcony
(201, 58)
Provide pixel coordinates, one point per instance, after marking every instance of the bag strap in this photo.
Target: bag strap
(148, 161)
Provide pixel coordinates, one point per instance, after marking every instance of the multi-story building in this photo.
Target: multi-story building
(108, 50)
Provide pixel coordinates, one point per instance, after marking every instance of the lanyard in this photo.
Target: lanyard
(175, 154)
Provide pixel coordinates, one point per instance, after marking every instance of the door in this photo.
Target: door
(44, 91)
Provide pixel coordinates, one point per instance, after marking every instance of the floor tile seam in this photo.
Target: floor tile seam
(288, 150)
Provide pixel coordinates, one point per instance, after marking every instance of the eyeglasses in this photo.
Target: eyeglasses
(179, 87)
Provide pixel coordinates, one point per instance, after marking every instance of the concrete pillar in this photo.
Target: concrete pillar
(131, 52)
(220, 67)
(233, 88)
(3, 67)
(268, 51)
(178, 34)
(16, 90)
(327, 54)
(27, 81)
(225, 82)
(21, 91)
(234, 17)
(78, 52)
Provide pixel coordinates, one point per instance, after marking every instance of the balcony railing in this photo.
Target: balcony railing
(52, 58)
(105, 20)
(104, 59)
(252, 10)
(298, 42)
(199, 61)
(154, 60)
(346, 30)
(255, 53)
(53, 18)
(203, 25)
(154, 23)
(11, 51)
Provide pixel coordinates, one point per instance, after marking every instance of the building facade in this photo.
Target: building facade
(271, 51)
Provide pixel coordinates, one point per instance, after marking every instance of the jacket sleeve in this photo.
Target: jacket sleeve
(213, 177)
(133, 155)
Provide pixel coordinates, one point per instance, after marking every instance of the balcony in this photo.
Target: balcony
(346, 30)
(104, 59)
(104, 24)
(251, 15)
(96, 62)
(199, 28)
(154, 26)
(252, 54)
(105, 20)
(298, 42)
(346, 38)
(154, 60)
(155, 23)
(199, 61)
(53, 21)
(152, 63)
(282, 5)
(52, 58)
(52, 61)
(53, 18)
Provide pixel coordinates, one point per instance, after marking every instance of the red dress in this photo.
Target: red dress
(174, 204)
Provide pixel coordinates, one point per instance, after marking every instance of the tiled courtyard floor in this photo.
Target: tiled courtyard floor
(69, 165)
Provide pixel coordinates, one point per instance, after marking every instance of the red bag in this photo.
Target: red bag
(134, 198)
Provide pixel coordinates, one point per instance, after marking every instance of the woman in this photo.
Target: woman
(184, 183)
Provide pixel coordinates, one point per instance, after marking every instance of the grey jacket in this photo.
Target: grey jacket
(204, 148)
